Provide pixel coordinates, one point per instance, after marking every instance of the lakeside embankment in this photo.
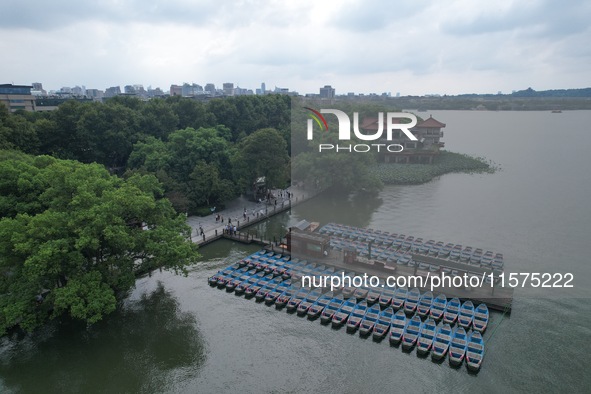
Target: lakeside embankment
(446, 162)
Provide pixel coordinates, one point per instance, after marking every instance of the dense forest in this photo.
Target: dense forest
(204, 153)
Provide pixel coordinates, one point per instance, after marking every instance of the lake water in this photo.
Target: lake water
(176, 334)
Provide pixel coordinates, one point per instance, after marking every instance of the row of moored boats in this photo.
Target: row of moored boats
(393, 248)
(446, 328)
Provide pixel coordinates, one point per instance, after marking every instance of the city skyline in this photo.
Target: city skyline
(415, 48)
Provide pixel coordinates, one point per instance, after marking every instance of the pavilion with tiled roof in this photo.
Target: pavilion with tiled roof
(428, 133)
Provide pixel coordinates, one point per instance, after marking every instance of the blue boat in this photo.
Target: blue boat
(457, 347)
(399, 298)
(466, 254)
(316, 308)
(475, 351)
(369, 320)
(411, 332)
(455, 252)
(225, 279)
(438, 307)
(445, 251)
(385, 299)
(412, 300)
(397, 327)
(242, 286)
(296, 300)
(310, 299)
(356, 316)
(452, 309)
(466, 314)
(361, 293)
(383, 323)
(434, 251)
(373, 295)
(425, 303)
(231, 285)
(481, 315)
(284, 297)
(255, 287)
(441, 342)
(342, 314)
(269, 287)
(331, 308)
(213, 280)
(425, 341)
(272, 296)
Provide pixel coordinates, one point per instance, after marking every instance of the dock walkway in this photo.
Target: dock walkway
(244, 213)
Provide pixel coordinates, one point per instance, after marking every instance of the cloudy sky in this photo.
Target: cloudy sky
(411, 47)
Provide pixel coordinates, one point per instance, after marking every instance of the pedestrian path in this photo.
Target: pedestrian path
(242, 212)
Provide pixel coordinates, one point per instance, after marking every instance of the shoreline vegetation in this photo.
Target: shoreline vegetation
(447, 162)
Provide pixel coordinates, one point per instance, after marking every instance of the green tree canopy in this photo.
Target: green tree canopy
(79, 237)
(263, 153)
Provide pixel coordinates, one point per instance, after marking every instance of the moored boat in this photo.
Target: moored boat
(385, 299)
(397, 327)
(466, 314)
(474, 351)
(231, 285)
(399, 298)
(455, 252)
(272, 296)
(213, 280)
(445, 251)
(457, 347)
(373, 295)
(331, 308)
(383, 323)
(263, 291)
(441, 342)
(306, 303)
(361, 293)
(438, 307)
(466, 254)
(411, 332)
(342, 314)
(425, 341)
(297, 298)
(369, 320)
(424, 305)
(321, 303)
(284, 297)
(255, 287)
(452, 309)
(412, 300)
(356, 316)
(481, 316)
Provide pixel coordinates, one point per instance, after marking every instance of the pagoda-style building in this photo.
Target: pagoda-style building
(428, 133)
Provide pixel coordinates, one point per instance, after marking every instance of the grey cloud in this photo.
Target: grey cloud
(47, 15)
(364, 16)
(543, 19)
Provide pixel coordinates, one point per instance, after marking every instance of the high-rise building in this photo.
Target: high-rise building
(176, 90)
(327, 92)
(210, 88)
(95, 94)
(228, 88)
(112, 91)
(263, 90)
